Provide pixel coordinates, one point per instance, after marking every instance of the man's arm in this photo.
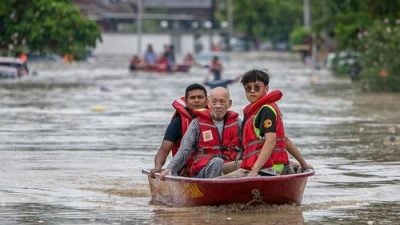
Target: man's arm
(266, 122)
(294, 151)
(187, 147)
(266, 151)
(161, 156)
(172, 135)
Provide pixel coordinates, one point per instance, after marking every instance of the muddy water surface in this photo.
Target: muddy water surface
(74, 138)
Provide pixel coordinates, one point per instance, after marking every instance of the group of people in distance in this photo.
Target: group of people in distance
(150, 61)
(208, 140)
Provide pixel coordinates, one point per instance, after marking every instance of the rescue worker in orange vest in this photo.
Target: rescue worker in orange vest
(265, 144)
(212, 138)
(195, 98)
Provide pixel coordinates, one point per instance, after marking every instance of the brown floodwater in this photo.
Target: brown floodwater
(74, 139)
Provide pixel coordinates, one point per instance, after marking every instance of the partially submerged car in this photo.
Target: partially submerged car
(22, 67)
(8, 72)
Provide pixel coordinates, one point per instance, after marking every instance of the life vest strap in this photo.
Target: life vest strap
(199, 156)
(261, 140)
(258, 141)
(231, 124)
(206, 124)
(257, 151)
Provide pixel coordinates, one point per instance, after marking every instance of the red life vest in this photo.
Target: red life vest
(186, 118)
(210, 145)
(253, 143)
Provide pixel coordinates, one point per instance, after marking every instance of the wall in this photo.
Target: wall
(117, 43)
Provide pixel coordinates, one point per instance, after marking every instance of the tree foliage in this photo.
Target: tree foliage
(45, 26)
(380, 45)
(345, 18)
(298, 35)
(267, 19)
(371, 28)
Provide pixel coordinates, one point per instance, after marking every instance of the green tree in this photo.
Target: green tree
(380, 45)
(267, 19)
(46, 26)
(369, 27)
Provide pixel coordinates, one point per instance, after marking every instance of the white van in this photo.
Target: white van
(22, 68)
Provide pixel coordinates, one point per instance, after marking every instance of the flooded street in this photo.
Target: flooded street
(74, 139)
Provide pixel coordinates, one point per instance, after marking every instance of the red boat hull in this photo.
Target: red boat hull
(184, 68)
(183, 191)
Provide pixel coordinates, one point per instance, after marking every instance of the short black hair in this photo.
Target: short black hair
(255, 75)
(195, 86)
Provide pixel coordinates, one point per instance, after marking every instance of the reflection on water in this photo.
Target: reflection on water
(229, 214)
(34, 213)
(74, 139)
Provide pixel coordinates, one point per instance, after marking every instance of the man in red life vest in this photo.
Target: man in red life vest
(211, 139)
(195, 98)
(263, 136)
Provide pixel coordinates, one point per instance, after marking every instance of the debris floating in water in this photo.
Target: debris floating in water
(391, 140)
(104, 89)
(98, 108)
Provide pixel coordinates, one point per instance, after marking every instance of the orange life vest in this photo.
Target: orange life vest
(210, 144)
(253, 142)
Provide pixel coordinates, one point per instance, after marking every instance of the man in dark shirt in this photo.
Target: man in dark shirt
(173, 133)
(195, 98)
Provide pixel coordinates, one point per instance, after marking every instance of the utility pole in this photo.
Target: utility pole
(230, 23)
(307, 23)
(307, 13)
(139, 24)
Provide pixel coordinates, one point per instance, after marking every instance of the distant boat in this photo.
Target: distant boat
(162, 67)
(184, 68)
(219, 83)
(180, 191)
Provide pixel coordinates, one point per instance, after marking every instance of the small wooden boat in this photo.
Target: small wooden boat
(219, 83)
(161, 68)
(185, 191)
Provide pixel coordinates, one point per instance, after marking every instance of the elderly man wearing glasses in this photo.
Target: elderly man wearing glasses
(263, 136)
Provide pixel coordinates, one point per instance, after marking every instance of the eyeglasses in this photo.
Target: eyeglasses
(255, 88)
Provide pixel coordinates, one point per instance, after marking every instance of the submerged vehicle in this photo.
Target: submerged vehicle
(8, 72)
(22, 67)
